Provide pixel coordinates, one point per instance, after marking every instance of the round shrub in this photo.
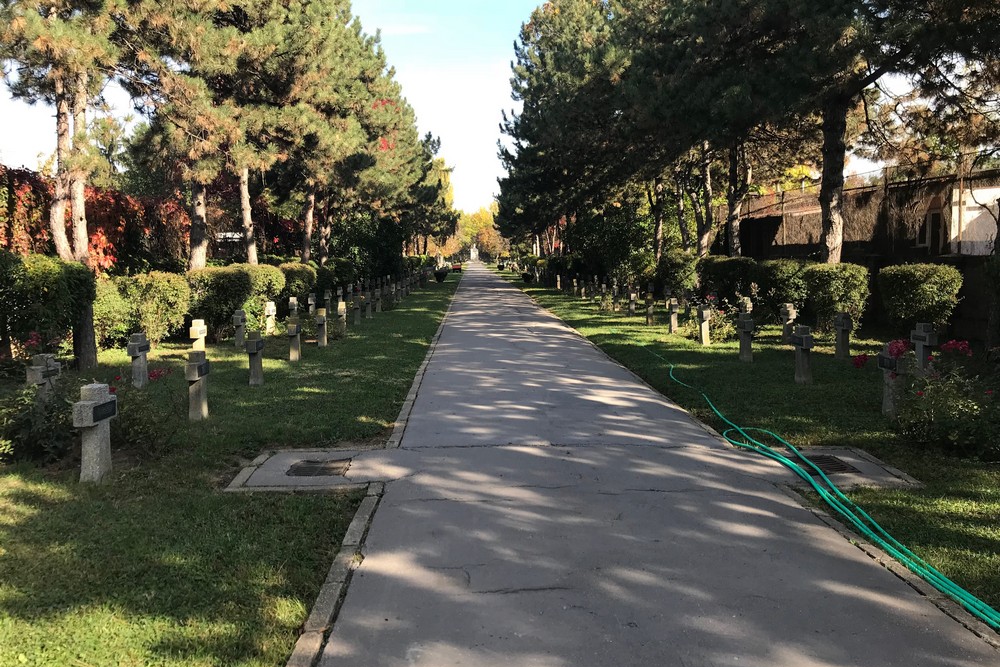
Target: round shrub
(216, 293)
(730, 278)
(112, 315)
(677, 271)
(919, 293)
(834, 288)
(47, 298)
(300, 280)
(780, 281)
(158, 302)
(266, 284)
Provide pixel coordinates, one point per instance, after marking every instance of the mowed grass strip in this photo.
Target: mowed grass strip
(159, 566)
(953, 521)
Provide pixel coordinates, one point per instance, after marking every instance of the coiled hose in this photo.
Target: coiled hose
(867, 526)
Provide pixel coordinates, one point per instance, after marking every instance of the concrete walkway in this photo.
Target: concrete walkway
(548, 510)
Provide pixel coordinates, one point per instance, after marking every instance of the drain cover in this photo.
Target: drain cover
(319, 468)
(830, 465)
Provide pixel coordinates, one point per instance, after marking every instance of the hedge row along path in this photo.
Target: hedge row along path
(548, 509)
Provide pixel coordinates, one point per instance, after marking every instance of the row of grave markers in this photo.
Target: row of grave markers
(97, 406)
(800, 337)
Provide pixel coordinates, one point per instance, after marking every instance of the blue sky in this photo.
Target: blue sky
(452, 58)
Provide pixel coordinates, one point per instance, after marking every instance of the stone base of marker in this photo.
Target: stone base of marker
(92, 415)
(255, 350)
(196, 372)
(745, 327)
(321, 327)
(802, 340)
(294, 341)
(705, 325)
(138, 347)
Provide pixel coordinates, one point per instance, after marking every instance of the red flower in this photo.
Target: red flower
(958, 347)
(898, 348)
(860, 360)
(118, 378)
(989, 392)
(113, 390)
(920, 394)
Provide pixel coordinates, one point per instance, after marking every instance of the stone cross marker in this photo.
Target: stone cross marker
(294, 340)
(92, 414)
(368, 304)
(649, 304)
(328, 301)
(138, 348)
(744, 325)
(894, 372)
(311, 300)
(583, 289)
(321, 338)
(270, 311)
(357, 308)
(802, 341)
(704, 325)
(240, 324)
(633, 297)
(923, 338)
(196, 371)
(255, 349)
(293, 306)
(843, 325)
(378, 299)
(197, 334)
(559, 282)
(576, 287)
(42, 373)
(788, 315)
(674, 309)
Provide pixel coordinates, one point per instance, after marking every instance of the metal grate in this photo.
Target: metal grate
(320, 468)
(830, 465)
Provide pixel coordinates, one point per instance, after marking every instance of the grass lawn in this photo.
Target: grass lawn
(953, 522)
(158, 566)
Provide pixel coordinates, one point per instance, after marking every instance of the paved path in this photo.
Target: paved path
(549, 510)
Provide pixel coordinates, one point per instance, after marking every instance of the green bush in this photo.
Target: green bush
(216, 293)
(266, 284)
(37, 430)
(833, 288)
(300, 280)
(677, 271)
(780, 281)
(112, 315)
(47, 297)
(338, 272)
(158, 302)
(730, 278)
(919, 293)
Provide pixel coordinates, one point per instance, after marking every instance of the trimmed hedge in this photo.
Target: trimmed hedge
(832, 288)
(300, 280)
(338, 272)
(780, 281)
(914, 293)
(158, 302)
(266, 284)
(677, 271)
(112, 315)
(730, 278)
(217, 292)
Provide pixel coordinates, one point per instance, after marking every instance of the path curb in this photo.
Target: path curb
(399, 426)
(331, 595)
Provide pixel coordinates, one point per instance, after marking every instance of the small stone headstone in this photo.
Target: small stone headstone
(674, 308)
(321, 337)
(42, 373)
(559, 282)
(255, 349)
(843, 325)
(894, 373)
(633, 298)
(92, 415)
(704, 325)
(270, 312)
(240, 325)
(357, 308)
(923, 338)
(802, 341)
(745, 327)
(378, 299)
(138, 348)
(293, 306)
(311, 300)
(328, 301)
(197, 334)
(368, 305)
(649, 305)
(196, 371)
(788, 315)
(294, 340)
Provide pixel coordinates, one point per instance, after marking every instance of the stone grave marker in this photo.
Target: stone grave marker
(583, 289)
(294, 340)
(802, 341)
(894, 373)
(704, 325)
(843, 325)
(270, 312)
(240, 324)
(341, 324)
(293, 306)
(357, 308)
(559, 282)
(42, 373)
(196, 371)
(788, 315)
(311, 300)
(923, 338)
(92, 414)
(321, 337)
(633, 298)
(744, 325)
(674, 307)
(378, 299)
(328, 301)
(255, 349)
(649, 304)
(368, 304)
(197, 334)
(138, 348)
(576, 287)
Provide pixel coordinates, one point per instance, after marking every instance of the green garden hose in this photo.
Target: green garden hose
(845, 507)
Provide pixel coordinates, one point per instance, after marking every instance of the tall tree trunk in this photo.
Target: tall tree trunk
(425, 245)
(831, 193)
(324, 232)
(655, 195)
(681, 220)
(307, 228)
(249, 238)
(78, 174)
(198, 256)
(60, 196)
(706, 224)
(740, 176)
